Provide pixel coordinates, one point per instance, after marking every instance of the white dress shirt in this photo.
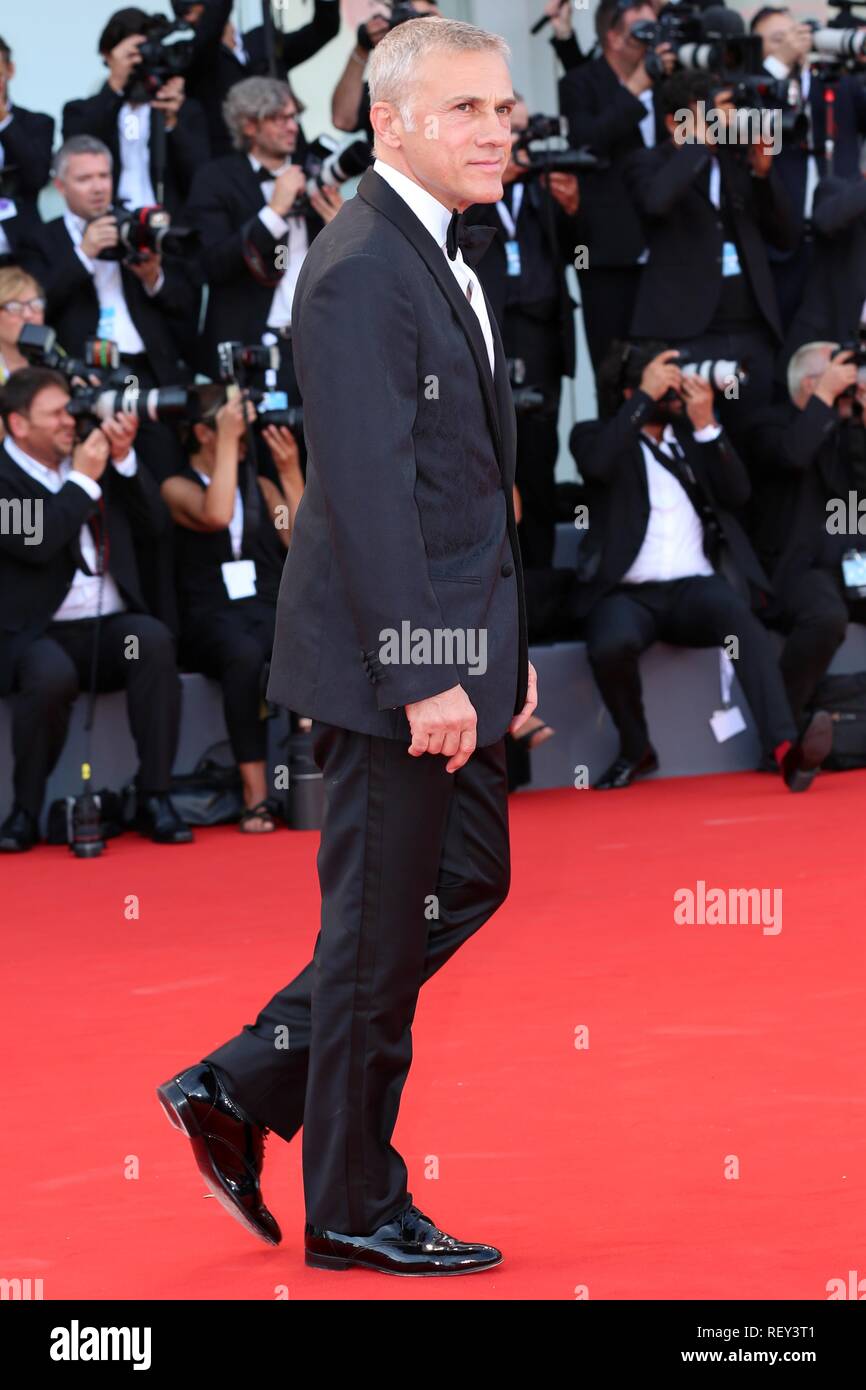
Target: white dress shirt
(115, 320)
(435, 218)
(280, 315)
(673, 546)
(135, 187)
(82, 599)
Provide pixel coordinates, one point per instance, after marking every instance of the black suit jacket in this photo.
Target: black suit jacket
(407, 515)
(26, 144)
(165, 321)
(186, 146)
(681, 285)
(611, 463)
(35, 578)
(606, 116)
(835, 287)
(224, 207)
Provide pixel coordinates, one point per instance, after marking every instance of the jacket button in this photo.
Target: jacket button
(506, 570)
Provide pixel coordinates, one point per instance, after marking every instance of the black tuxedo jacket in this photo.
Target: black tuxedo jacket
(186, 146)
(26, 143)
(835, 287)
(492, 269)
(606, 116)
(681, 285)
(223, 206)
(407, 517)
(166, 321)
(611, 463)
(35, 579)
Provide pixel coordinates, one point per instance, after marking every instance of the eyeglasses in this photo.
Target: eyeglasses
(283, 118)
(24, 306)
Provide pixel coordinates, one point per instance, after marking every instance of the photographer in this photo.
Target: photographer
(232, 531)
(222, 56)
(662, 480)
(563, 40)
(22, 299)
(808, 456)
(833, 303)
(350, 104)
(253, 240)
(26, 138)
(523, 275)
(610, 106)
(143, 303)
(147, 170)
(90, 498)
(708, 209)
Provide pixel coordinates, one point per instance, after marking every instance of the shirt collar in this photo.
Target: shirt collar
(48, 477)
(74, 225)
(257, 165)
(433, 216)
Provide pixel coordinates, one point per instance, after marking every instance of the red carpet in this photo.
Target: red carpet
(601, 1167)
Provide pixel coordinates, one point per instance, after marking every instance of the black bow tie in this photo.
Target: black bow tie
(472, 241)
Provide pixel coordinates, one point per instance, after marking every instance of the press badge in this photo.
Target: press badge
(854, 572)
(512, 257)
(7, 209)
(728, 721)
(105, 326)
(239, 577)
(730, 259)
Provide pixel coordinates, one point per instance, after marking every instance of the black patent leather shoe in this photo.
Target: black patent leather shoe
(623, 771)
(802, 762)
(19, 831)
(157, 818)
(228, 1146)
(410, 1244)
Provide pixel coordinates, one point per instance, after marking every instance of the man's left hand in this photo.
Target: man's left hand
(565, 190)
(149, 269)
(120, 431)
(169, 99)
(531, 701)
(327, 201)
(698, 396)
(761, 159)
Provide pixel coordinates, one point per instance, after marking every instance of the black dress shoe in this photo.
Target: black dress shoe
(228, 1146)
(623, 771)
(19, 831)
(410, 1244)
(156, 817)
(802, 762)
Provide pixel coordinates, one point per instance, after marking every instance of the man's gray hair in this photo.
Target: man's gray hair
(393, 65)
(254, 99)
(78, 144)
(808, 360)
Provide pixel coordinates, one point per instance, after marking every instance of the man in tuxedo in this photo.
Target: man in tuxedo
(26, 138)
(666, 560)
(833, 303)
(254, 241)
(406, 526)
(70, 571)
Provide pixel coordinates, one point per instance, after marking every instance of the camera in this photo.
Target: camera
(545, 144)
(329, 163)
(38, 344)
(718, 371)
(249, 367)
(146, 230)
(166, 52)
(528, 399)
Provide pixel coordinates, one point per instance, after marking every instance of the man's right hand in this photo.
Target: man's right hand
(99, 235)
(444, 724)
(661, 375)
(837, 376)
(287, 186)
(91, 457)
(121, 61)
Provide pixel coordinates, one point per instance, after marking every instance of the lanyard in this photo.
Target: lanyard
(509, 221)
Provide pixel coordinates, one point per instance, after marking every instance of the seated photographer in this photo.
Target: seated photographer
(610, 103)
(26, 139)
(222, 56)
(661, 476)
(523, 275)
(232, 531)
(255, 225)
(708, 208)
(22, 300)
(72, 579)
(350, 104)
(148, 168)
(97, 287)
(808, 455)
(833, 304)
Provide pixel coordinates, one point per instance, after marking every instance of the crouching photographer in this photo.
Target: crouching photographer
(662, 477)
(808, 514)
(78, 615)
(232, 529)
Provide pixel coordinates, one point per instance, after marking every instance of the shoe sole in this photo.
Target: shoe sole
(817, 744)
(181, 1116)
(341, 1262)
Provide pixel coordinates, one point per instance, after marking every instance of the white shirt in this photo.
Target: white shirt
(435, 218)
(82, 598)
(280, 315)
(134, 187)
(673, 546)
(236, 525)
(647, 126)
(115, 320)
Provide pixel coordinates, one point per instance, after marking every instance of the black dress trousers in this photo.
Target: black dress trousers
(412, 861)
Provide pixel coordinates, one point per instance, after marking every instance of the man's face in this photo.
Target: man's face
(774, 31)
(276, 136)
(7, 71)
(86, 184)
(47, 431)
(461, 142)
(619, 39)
